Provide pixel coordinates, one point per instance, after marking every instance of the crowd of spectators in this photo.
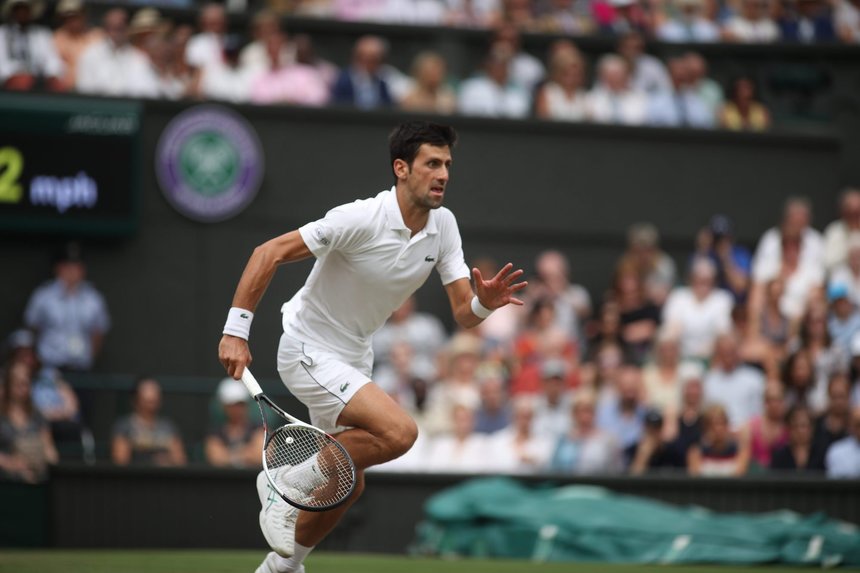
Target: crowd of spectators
(144, 55)
(723, 362)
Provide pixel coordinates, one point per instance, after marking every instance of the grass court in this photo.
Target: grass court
(217, 561)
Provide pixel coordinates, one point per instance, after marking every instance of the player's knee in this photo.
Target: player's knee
(403, 437)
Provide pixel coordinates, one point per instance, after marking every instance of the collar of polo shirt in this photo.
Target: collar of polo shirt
(395, 217)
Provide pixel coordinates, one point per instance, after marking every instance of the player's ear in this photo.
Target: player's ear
(401, 169)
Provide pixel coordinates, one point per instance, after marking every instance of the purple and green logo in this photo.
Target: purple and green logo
(209, 163)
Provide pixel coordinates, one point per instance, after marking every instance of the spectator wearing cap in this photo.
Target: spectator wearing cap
(844, 318)
(492, 93)
(144, 436)
(363, 84)
(752, 25)
(28, 58)
(653, 453)
(735, 386)
(697, 314)
(621, 413)
(806, 22)
(794, 251)
(843, 457)
(68, 315)
(689, 25)
(732, 261)
(552, 405)
(237, 441)
(681, 105)
(112, 66)
(840, 232)
(72, 37)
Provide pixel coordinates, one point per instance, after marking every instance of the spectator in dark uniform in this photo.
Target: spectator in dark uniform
(362, 84)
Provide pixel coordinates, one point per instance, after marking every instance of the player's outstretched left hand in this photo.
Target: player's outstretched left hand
(499, 290)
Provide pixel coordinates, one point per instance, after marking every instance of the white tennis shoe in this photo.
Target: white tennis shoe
(270, 565)
(277, 520)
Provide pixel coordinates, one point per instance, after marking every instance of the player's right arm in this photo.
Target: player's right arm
(233, 351)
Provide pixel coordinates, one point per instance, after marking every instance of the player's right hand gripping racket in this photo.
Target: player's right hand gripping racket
(307, 467)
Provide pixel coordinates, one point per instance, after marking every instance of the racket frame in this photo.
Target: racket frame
(260, 397)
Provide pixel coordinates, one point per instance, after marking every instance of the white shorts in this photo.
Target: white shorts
(323, 381)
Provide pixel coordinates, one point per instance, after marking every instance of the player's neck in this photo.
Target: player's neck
(414, 216)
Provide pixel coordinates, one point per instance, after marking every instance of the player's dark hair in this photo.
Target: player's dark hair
(408, 137)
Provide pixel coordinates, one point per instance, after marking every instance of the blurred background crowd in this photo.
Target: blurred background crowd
(140, 53)
(731, 361)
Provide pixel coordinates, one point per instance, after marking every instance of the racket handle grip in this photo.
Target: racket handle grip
(251, 383)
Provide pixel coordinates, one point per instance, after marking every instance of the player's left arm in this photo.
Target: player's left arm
(492, 293)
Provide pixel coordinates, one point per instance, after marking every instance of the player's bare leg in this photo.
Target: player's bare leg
(382, 431)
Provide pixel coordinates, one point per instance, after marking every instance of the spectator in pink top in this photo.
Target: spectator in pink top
(290, 83)
(767, 432)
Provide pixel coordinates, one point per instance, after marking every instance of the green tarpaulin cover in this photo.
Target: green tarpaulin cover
(500, 517)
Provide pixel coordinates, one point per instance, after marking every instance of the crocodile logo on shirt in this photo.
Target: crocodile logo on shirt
(343, 387)
(429, 259)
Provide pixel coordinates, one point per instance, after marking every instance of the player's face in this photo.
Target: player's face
(427, 178)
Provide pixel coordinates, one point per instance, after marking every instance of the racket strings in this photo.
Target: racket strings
(311, 468)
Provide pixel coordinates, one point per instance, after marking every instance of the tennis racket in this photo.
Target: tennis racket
(307, 467)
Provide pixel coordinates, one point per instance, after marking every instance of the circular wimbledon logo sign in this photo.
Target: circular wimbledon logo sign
(209, 163)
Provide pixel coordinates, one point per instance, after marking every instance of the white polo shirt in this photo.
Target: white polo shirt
(367, 266)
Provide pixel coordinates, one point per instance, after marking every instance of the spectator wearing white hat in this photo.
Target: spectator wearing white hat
(237, 442)
(843, 321)
(72, 37)
(689, 25)
(28, 58)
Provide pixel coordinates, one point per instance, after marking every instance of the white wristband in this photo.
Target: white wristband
(239, 323)
(479, 309)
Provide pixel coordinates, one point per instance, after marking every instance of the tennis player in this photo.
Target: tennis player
(370, 256)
